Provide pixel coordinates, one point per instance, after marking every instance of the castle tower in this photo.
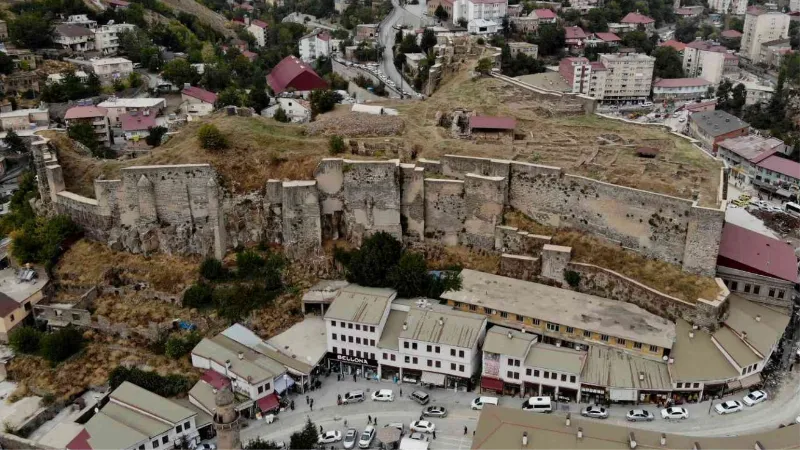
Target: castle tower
(226, 420)
(147, 200)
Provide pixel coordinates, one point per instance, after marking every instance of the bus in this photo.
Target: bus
(792, 208)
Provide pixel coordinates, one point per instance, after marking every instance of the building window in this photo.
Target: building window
(408, 359)
(546, 374)
(519, 318)
(438, 349)
(536, 373)
(734, 285)
(504, 314)
(414, 360)
(452, 352)
(178, 429)
(528, 372)
(679, 385)
(510, 361)
(747, 288)
(261, 389)
(12, 317)
(587, 334)
(697, 385)
(350, 339)
(358, 327)
(653, 348)
(564, 377)
(405, 344)
(165, 439)
(393, 358)
(473, 308)
(155, 443)
(350, 326)
(572, 378)
(350, 352)
(430, 348)
(413, 346)
(385, 356)
(333, 336)
(570, 330)
(372, 342)
(536, 321)
(186, 426)
(358, 340)
(637, 345)
(780, 295)
(452, 366)
(358, 353)
(461, 353)
(430, 363)
(438, 364)
(756, 289)
(456, 304)
(460, 367)
(487, 310)
(604, 337)
(141, 447)
(335, 350)
(371, 329)
(333, 323)
(510, 374)
(771, 292)
(744, 371)
(552, 327)
(620, 341)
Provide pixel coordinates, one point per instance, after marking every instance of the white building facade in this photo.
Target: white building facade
(315, 45)
(106, 37)
(470, 10)
(762, 26)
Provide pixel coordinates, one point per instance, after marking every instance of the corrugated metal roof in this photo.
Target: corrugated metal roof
(735, 347)
(392, 329)
(497, 341)
(360, 304)
(764, 326)
(618, 369)
(761, 253)
(563, 359)
(697, 358)
(291, 72)
(458, 329)
(133, 395)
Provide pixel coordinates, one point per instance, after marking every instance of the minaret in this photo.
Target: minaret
(226, 420)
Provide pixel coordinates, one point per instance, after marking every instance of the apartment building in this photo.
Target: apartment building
(74, 38)
(95, 116)
(713, 127)
(773, 52)
(577, 71)
(734, 7)
(757, 93)
(762, 26)
(623, 77)
(525, 48)
(258, 28)
(315, 45)
(106, 37)
(562, 317)
(110, 69)
(137, 419)
(23, 119)
(473, 10)
(710, 61)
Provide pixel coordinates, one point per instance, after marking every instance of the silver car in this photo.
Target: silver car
(350, 438)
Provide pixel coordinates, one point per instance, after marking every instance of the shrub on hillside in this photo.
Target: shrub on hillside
(165, 386)
(197, 296)
(336, 145)
(212, 269)
(211, 138)
(25, 340)
(178, 345)
(60, 345)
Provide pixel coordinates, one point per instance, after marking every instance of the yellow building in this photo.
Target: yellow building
(19, 291)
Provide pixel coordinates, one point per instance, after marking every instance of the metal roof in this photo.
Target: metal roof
(717, 123)
(698, 358)
(292, 72)
(618, 369)
(497, 341)
(564, 307)
(458, 329)
(562, 359)
(139, 398)
(734, 346)
(360, 304)
(136, 420)
(392, 329)
(255, 366)
(763, 325)
(743, 249)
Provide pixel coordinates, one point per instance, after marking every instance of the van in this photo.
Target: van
(538, 404)
(480, 401)
(353, 397)
(420, 397)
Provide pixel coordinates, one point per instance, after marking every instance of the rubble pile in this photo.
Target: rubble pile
(356, 124)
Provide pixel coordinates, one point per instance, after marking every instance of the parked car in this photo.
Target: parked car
(417, 436)
(420, 397)
(422, 426)
(594, 411)
(674, 412)
(329, 437)
(350, 438)
(729, 407)
(538, 404)
(366, 437)
(353, 397)
(638, 415)
(754, 398)
(435, 411)
(383, 395)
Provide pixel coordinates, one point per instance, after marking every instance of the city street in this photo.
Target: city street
(386, 37)
(782, 408)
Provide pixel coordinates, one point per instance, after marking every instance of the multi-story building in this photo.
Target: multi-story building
(772, 52)
(23, 119)
(636, 20)
(106, 37)
(680, 88)
(299, 111)
(472, 10)
(741, 152)
(73, 37)
(761, 26)
(525, 48)
(712, 127)
(316, 44)
(447, 5)
(575, 37)
(757, 93)
(117, 107)
(137, 419)
(628, 77)
(562, 317)
(709, 60)
(19, 82)
(198, 101)
(110, 69)
(93, 115)
(258, 28)
(734, 7)
(577, 71)
(366, 31)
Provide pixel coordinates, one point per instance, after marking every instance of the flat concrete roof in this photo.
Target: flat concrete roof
(497, 341)
(564, 307)
(255, 365)
(392, 329)
(763, 325)
(618, 369)
(455, 328)
(698, 358)
(21, 291)
(563, 359)
(305, 342)
(361, 304)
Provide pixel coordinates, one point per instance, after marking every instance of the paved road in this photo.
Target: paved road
(386, 39)
(782, 408)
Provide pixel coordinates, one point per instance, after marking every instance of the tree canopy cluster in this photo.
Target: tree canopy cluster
(55, 346)
(164, 385)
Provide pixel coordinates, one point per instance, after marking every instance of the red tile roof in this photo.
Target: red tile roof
(216, 380)
(677, 45)
(291, 72)
(574, 33)
(608, 37)
(681, 82)
(781, 165)
(693, 106)
(731, 34)
(259, 23)
(250, 55)
(744, 249)
(85, 112)
(597, 66)
(200, 94)
(685, 12)
(80, 442)
(492, 122)
(634, 17)
(137, 121)
(544, 13)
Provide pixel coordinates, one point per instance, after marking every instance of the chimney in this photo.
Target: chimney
(241, 355)
(631, 440)
(405, 325)
(580, 433)
(744, 334)
(510, 336)
(641, 376)
(758, 446)
(524, 438)
(691, 334)
(441, 321)
(696, 446)
(671, 361)
(568, 419)
(758, 318)
(663, 439)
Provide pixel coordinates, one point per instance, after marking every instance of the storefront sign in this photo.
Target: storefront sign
(353, 359)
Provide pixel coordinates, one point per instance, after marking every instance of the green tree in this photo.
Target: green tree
(31, 30)
(336, 145)
(40, 239)
(444, 281)
(83, 132)
(6, 64)
(155, 135)
(668, 64)
(462, 22)
(60, 345)
(305, 438)
(440, 13)
(230, 96)
(551, 39)
(370, 265)
(249, 264)
(135, 79)
(484, 66)
(323, 101)
(410, 276)
(409, 44)
(281, 116)
(258, 98)
(212, 269)
(25, 340)
(179, 345)
(179, 72)
(211, 138)
(199, 295)
(596, 20)
(738, 99)
(686, 30)
(166, 386)
(640, 41)
(15, 143)
(428, 40)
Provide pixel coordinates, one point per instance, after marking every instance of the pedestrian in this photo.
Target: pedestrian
(465, 430)
(354, 378)
(345, 423)
(434, 434)
(291, 405)
(401, 392)
(312, 403)
(375, 421)
(306, 399)
(369, 419)
(421, 418)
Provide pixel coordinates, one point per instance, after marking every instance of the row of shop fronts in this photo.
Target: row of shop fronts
(371, 369)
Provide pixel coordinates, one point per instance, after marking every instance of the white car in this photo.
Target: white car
(674, 412)
(422, 426)
(366, 437)
(329, 437)
(383, 395)
(350, 438)
(754, 398)
(729, 407)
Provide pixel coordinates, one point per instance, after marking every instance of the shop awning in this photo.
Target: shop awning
(750, 380)
(282, 383)
(492, 384)
(436, 379)
(268, 403)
